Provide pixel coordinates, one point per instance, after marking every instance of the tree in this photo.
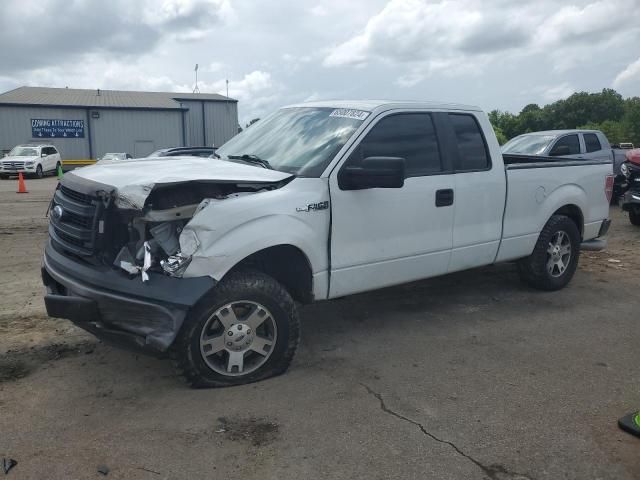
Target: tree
(252, 122)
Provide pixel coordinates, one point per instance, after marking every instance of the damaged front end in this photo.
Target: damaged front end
(115, 255)
(110, 229)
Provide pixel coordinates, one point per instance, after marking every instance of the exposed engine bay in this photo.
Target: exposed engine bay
(138, 240)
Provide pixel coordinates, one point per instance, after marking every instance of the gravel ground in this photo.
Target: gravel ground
(467, 376)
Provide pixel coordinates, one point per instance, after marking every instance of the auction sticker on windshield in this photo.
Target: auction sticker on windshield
(349, 113)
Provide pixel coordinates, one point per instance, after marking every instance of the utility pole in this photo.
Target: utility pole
(196, 89)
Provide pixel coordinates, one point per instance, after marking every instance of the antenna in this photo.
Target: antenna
(227, 88)
(196, 89)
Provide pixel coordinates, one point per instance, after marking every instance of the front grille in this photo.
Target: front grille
(77, 196)
(12, 165)
(75, 230)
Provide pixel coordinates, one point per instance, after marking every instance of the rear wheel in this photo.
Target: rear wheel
(246, 330)
(555, 257)
(39, 172)
(634, 217)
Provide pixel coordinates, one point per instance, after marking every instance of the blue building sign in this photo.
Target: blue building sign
(43, 128)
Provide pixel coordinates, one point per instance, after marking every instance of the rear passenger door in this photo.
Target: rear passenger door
(594, 150)
(386, 236)
(480, 190)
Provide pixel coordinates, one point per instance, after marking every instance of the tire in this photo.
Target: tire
(543, 268)
(4, 177)
(39, 172)
(248, 293)
(634, 217)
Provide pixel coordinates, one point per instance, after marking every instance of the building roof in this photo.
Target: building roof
(74, 97)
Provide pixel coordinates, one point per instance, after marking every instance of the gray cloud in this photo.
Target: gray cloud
(59, 31)
(492, 53)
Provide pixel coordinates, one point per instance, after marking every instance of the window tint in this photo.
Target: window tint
(410, 136)
(592, 143)
(472, 151)
(570, 141)
(45, 151)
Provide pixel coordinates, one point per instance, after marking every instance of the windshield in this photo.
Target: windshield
(300, 140)
(23, 152)
(528, 144)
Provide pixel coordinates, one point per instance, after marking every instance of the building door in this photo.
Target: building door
(142, 148)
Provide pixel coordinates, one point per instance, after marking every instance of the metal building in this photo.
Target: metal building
(86, 124)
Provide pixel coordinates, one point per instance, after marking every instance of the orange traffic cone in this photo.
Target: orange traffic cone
(22, 188)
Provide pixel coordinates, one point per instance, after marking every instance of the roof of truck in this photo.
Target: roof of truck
(371, 105)
(562, 132)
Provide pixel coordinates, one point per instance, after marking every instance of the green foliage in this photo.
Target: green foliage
(617, 117)
(502, 138)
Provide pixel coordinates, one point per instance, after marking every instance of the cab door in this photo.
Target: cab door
(568, 146)
(386, 236)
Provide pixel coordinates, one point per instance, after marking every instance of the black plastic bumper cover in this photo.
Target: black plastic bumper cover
(117, 307)
(631, 200)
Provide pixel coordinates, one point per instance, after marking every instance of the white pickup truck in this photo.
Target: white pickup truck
(204, 259)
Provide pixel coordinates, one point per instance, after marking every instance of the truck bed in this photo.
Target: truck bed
(534, 195)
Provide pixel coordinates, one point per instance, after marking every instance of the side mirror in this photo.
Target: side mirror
(375, 172)
(560, 150)
(43, 154)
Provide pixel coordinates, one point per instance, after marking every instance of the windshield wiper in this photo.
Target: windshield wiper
(251, 159)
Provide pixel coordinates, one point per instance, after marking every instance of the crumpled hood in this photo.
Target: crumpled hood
(134, 179)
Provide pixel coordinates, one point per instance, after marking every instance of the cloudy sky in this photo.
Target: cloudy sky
(493, 53)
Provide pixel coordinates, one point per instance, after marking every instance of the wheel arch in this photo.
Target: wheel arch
(287, 263)
(574, 212)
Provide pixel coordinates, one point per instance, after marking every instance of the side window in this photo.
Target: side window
(411, 136)
(592, 143)
(44, 151)
(472, 150)
(53, 151)
(571, 142)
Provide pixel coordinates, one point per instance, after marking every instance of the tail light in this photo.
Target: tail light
(608, 187)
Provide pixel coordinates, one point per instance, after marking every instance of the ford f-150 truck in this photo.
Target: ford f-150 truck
(206, 259)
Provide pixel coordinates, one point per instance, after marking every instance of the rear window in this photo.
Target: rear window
(591, 142)
(472, 150)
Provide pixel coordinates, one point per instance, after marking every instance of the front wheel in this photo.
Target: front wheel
(555, 257)
(634, 217)
(246, 330)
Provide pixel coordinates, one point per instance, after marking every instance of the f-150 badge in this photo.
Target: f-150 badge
(312, 207)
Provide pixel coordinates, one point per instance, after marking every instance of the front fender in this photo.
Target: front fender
(218, 253)
(224, 232)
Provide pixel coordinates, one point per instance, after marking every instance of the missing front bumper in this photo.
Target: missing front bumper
(116, 307)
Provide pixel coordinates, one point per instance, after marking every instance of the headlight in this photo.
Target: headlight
(28, 164)
(624, 169)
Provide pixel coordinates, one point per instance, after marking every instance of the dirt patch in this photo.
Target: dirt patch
(258, 432)
(17, 364)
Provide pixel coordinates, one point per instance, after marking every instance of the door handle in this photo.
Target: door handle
(444, 197)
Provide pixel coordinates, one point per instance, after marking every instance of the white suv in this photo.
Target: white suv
(31, 159)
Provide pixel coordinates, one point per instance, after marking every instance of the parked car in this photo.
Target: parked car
(206, 260)
(623, 146)
(631, 199)
(115, 156)
(184, 151)
(31, 159)
(579, 144)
